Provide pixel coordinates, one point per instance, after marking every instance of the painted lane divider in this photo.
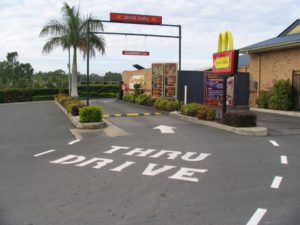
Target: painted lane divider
(257, 216)
(276, 182)
(73, 142)
(274, 143)
(284, 159)
(43, 153)
(132, 114)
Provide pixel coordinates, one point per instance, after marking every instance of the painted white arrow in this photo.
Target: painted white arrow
(165, 129)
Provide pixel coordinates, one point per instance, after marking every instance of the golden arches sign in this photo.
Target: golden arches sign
(225, 42)
(225, 61)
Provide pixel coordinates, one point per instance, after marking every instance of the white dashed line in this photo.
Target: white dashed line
(43, 153)
(284, 160)
(274, 143)
(276, 182)
(257, 216)
(73, 142)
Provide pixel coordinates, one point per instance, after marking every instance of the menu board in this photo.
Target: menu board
(214, 91)
(157, 80)
(170, 72)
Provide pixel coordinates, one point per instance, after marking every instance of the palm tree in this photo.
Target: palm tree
(71, 33)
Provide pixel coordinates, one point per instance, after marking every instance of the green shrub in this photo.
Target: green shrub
(263, 99)
(190, 109)
(42, 97)
(281, 96)
(1, 96)
(75, 108)
(138, 89)
(98, 89)
(51, 91)
(143, 99)
(59, 97)
(211, 114)
(206, 113)
(129, 97)
(66, 101)
(162, 104)
(27, 94)
(108, 95)
(202, 114)
(240, 119)
(74, 104)
(172, 105)
(17, 95)
(156, 102)
(90, 114)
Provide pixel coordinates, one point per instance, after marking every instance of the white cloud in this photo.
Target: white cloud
(250, 22)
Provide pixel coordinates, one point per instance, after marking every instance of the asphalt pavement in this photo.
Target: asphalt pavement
(183, 174)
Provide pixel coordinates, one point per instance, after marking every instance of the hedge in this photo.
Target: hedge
(2, 96)
(22, 95)
(97, 89)
(90, 114)
(240, 119)
(43, 97)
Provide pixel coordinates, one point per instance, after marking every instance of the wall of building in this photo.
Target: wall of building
(147, 83)
(267, 67)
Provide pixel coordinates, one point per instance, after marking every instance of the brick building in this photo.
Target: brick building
(273, 59)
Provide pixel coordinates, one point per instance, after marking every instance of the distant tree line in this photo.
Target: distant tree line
(14, 74)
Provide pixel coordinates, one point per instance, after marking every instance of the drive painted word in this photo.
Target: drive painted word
(152, 169)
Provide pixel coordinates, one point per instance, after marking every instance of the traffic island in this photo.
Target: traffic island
(250, 131)
(75, 120)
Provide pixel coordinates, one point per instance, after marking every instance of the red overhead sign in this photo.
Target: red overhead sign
(138, 53)
(135, 18)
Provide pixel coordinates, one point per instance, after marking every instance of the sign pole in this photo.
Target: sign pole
(88, 63)
(224, 104)
(179, 65)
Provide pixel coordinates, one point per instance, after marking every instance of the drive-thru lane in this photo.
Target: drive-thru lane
(196, 175)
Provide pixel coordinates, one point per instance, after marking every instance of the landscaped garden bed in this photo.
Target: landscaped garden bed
(82, 116)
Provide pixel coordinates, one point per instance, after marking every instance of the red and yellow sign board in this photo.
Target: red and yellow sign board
(137, 53)
(225, 61)
(135, 18)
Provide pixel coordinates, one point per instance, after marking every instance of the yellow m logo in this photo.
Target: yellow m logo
(225, 42)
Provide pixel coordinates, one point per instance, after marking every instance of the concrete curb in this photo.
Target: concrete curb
(77, 124)
(278, 112)
(250, 131)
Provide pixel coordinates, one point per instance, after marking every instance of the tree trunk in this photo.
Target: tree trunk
(74, 92)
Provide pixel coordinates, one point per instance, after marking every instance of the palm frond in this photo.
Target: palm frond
(52, 43)
(95, 25)
(54, 27)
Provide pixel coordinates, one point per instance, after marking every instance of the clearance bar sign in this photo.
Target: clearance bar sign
(138, 53)
(135, 18)
(226, 59)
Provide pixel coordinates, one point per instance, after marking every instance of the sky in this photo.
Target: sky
(249, 21)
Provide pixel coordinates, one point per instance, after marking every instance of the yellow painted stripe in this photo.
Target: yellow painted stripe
(157, 113)
(147, 114)
(118, 115)
(132, 114)
(105, 115)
